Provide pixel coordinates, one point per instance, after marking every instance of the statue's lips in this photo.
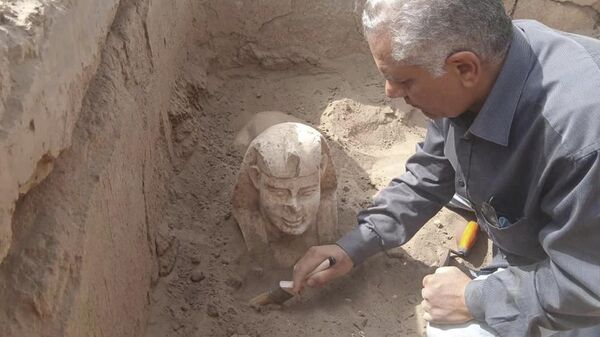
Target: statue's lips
(292, 222)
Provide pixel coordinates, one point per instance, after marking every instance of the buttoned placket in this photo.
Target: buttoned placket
(463, 154)
(463, 151)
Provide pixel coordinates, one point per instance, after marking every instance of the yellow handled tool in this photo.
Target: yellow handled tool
(468, 238)
(467, 241)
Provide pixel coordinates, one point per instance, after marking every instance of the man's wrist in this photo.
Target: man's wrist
(474, 299)
(359, 244)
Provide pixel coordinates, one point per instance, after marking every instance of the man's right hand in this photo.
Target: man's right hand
(312, 259)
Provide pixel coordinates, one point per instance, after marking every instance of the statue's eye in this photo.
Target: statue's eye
(279, 192)
(308, 191)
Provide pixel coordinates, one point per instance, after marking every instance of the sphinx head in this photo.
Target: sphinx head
(286, 172)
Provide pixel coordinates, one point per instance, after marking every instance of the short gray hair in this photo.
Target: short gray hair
(426, 32)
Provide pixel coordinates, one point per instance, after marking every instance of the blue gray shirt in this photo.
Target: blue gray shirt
(531, 154)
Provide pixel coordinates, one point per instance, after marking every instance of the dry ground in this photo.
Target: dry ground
(207, 277)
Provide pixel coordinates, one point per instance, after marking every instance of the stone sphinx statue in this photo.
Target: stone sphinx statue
(285, 197)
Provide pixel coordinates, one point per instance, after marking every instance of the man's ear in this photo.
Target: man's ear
(466, 66)
(254, 173)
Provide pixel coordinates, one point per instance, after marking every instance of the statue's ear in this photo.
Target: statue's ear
(254, 173)
(324, 164)
(325, 157)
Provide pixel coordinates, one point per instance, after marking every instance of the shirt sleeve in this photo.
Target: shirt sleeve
(401, 208)
(562, 292)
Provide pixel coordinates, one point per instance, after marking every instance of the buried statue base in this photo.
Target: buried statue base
(284, 199)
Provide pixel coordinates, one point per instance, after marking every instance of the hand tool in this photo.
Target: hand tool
(467, 241)
(283, 290)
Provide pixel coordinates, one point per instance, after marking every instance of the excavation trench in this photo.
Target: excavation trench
(129, 231)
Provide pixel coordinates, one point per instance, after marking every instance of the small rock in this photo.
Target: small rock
(241, 330)
(258, 271)
(197, 275)
(211, 310)
(234, 283)
(438, 224)
(178, 326)
(394, 296)
(163, 243)
(412, 300)
(185, 308)
(196, 260)
(361, 314)
(348, 300)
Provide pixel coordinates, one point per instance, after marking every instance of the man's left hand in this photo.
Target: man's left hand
(444, 296)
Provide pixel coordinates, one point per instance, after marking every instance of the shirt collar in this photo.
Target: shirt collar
(494, 120)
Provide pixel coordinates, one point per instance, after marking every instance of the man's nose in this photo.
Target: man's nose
(394, 90)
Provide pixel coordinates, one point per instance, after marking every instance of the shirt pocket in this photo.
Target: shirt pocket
(518, 238)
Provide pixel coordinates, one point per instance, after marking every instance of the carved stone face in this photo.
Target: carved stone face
(284, 199)
(290, 204)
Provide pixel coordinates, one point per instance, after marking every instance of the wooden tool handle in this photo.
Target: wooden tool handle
(324, 265)
(468, 237)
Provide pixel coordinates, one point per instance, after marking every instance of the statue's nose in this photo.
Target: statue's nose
(293, 204)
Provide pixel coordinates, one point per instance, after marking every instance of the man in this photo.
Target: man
(515, 129)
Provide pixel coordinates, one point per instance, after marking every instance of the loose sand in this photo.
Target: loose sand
(207, 277)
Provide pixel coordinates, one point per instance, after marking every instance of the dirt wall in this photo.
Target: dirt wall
(81, 259)
(575, 16)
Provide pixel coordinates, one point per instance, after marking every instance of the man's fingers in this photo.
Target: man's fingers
(425, 293)
(427, 317)
(323, 277)
(311, 260)
(426, 280)
(442, 270)
(426, 306)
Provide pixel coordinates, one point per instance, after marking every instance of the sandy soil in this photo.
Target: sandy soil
(206, 276)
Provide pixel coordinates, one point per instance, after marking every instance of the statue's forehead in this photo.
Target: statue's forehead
(292, 183)
(289, 155)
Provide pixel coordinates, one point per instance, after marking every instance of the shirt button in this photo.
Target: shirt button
(461, 183)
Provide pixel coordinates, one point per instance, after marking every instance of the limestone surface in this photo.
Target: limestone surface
(284, 200)
(49, 51)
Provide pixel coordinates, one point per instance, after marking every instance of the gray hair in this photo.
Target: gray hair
(425, 32)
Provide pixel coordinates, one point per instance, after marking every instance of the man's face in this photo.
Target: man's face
(290, 204)
(436, 97)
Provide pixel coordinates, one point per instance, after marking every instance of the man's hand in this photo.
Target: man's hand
(312, 259)
(444, 296)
